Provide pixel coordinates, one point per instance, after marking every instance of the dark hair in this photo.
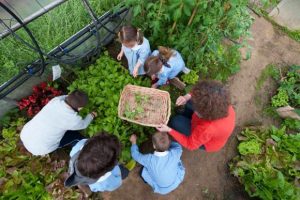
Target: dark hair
(77, 99)
(130, 33)
(161, 141)
(211, 99)
(153, 64)
(99, 155)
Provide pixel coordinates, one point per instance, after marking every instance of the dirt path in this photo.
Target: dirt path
(207, 174)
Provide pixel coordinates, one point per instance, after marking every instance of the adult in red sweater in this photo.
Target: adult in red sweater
(208, 119)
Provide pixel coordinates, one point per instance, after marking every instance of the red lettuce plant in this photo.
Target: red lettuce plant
(41, 95)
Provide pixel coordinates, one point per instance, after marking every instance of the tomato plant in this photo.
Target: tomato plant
(209, 34)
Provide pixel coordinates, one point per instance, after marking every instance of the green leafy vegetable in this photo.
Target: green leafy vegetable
(267, 166)
(103, 82)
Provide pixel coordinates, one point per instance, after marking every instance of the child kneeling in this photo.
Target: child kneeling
(163, 170)
(94, 163)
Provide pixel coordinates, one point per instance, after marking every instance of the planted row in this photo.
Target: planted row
(103, 82)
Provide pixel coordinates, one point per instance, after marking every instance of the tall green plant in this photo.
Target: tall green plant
(205, 32)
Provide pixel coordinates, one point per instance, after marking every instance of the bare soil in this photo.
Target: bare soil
(207, 174)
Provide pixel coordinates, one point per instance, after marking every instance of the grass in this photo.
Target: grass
(50, 30)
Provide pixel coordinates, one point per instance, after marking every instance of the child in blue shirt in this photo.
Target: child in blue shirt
(164, 64)
(94, 163)
(136, 49)
(163, 170)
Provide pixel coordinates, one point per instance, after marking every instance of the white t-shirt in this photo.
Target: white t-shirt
(43, 133)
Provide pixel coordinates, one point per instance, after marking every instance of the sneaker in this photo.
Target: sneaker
(178, 83)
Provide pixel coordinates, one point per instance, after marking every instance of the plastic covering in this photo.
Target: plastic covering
(80, 49)
(26, 10)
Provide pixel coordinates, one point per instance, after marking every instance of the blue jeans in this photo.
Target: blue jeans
(70, 139)
(182, 122)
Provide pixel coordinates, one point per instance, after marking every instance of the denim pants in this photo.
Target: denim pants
(70, 139)
(182, 122)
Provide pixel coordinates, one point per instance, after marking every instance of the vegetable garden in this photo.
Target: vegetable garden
(209, 35)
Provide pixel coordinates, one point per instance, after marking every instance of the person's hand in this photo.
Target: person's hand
(94, 114)
(153, 77)
(163, 128)
(135, 72)
(133, 139)
(154, 85)
(182, 100)
(120, 55)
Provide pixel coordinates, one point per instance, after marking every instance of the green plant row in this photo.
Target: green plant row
(209, 34)
(268, 163)
(288, 93)
(103, 82)
(24, 176)
(49, 30)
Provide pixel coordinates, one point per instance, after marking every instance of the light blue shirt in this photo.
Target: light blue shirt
(109, 181)
(163, 171)
(177, 65)
(139, 53)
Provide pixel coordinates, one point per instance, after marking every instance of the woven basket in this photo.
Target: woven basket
(156, 110)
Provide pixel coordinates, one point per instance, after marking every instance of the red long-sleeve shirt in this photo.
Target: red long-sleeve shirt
(212, 134)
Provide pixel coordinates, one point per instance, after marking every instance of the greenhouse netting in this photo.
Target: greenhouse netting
(35, 34)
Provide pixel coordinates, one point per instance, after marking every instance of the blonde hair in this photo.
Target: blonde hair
(165, 52)
(161, 141)
(154, 64)
(130, 33)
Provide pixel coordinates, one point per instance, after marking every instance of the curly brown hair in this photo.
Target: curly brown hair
(211, 99)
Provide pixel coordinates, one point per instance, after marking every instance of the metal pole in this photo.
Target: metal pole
(33, 16)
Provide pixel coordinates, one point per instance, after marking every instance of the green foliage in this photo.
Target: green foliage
(291, 124)
(269, 72)
(103, 82)
(281, 98)
(271, 172)
(50, 30)
(197, 29)
(24, 176)
(190, 78)
(249, 147)
(32, 187)
(289, 94)
(269, 3)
